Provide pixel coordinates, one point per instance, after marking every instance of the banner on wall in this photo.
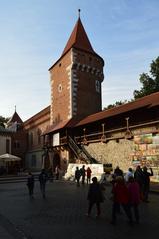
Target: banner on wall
(146, 152)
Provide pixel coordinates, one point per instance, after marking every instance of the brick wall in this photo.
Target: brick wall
(60, 80)
(76, 86)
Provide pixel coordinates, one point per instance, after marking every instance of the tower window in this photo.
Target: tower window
(38, 136)
(33, 160)
(59, 88)
(16, 144)
(31, 139)
(97, 85)
(7, 145)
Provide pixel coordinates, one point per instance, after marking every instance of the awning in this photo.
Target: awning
(9, 158)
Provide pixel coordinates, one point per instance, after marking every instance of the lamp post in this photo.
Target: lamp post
(128, 134)
(103, 138)
(84, 137)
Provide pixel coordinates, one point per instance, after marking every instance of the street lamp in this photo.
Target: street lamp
(85, 142)
(103, 138)
(128, 133)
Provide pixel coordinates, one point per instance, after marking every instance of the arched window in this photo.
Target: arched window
(97, 85)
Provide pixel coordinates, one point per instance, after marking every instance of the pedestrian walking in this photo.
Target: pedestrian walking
(88, 173)
(146, 183)
(83, 174)
(94, 197)
(134, 197)
(43, 177)
(77, 176)
(30, 184)
(120, 198)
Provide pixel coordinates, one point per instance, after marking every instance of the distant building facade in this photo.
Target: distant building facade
(5, 141)
(34, 127)
(13, 141)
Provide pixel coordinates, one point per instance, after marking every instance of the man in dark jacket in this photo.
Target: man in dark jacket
(30, 184)
(94, 196)
(83, 173)
(139, 177)
(77, 176)
(118, 172)
(146, 182)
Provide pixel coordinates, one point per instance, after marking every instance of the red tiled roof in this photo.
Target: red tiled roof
(38, 115)
(147, 101)
(78, 39)
(67, 124)
(55, 127)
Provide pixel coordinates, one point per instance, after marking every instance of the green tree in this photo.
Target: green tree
(117, 103)
(150, 83)
(3, 120)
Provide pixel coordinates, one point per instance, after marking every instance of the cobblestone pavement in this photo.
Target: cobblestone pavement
(62, 215)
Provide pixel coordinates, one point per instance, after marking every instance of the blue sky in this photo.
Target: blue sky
(33, 34)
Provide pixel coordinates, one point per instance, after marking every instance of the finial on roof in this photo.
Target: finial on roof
(79, 10)
(15, 108)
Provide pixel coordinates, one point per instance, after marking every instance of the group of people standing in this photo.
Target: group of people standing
(141, 176)
(127, 192)
(81, 174)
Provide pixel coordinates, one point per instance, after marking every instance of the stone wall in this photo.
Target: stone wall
(117, 153)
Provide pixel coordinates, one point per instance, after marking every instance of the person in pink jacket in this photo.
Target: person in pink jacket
(134, 197)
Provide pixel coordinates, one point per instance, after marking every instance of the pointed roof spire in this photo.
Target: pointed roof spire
(15, 118)
(78, 38)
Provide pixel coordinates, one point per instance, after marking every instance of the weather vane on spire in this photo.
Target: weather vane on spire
(79, 10)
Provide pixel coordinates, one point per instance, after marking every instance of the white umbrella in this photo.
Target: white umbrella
(9, 158)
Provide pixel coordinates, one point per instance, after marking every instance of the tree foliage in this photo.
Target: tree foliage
(150, 83)
(117, 103)
(3, 121)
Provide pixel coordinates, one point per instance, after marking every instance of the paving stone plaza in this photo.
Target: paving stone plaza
(62, 214)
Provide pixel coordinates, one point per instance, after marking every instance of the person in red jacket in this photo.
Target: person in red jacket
(120, 198)
(88, 173)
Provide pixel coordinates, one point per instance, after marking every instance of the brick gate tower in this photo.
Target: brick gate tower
(76, 79)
